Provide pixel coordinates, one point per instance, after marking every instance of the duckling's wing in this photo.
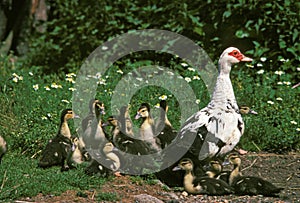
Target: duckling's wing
(213, 186)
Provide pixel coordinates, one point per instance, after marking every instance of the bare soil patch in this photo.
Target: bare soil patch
(282, 170)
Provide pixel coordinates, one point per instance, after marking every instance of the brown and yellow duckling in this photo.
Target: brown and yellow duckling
(201, 185)
(93, 134)
(147, 128)
(163, 128)
(216, 171)
(105, 165)
(3, 147)
(124, 142)
(249, 185)
(78, 153)
(59, 148)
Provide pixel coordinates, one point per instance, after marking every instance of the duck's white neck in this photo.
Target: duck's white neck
(223, 91)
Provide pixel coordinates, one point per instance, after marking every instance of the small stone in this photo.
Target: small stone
(145, 198)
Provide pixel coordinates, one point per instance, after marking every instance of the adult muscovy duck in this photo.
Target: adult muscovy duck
(219, 126)
(216, 129)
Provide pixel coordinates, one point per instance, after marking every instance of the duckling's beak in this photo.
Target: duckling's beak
(226, 163)
(76, 116)
(102, 111)
(137, 116)
(105, 124)
(246, 59)
(207, 167)
(252, 112)
(73, 147)
(115, 149)
(176, 168)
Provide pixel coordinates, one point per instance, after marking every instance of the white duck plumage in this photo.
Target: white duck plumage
(220, 122)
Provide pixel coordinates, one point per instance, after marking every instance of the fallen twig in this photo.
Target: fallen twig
(93, 195)
(35, 154)
(250, 165)
(289, 178)
(3, 181)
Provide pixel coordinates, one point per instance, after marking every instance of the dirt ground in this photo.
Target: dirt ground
(282, 170)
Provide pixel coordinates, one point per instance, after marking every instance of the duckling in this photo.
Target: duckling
(58, 149)
(201, 185)
(93, 134)
(78, 153)
(125, 121)
(110, 162)
(163, 128)
(124, 142)
(216, 171)
(246, 110)
(3, 147)
(249, 185)
(147, 128)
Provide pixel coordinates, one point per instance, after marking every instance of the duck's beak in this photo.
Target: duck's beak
(252, 112)
(246, 59)
(104, 124)
(176, 168)
(76, 116)
(137, 116)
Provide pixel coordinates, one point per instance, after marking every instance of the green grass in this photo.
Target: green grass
(20, 177)
(29, 118)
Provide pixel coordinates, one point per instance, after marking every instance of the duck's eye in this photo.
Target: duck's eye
(235, 52)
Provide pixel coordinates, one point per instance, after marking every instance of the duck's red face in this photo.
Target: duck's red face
(238, 55)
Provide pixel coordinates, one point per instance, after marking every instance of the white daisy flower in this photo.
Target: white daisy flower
(279, 72)
(35, 87)
(104, 48)
(15, 79)
(270, 102)
(260, 71)
(120, 71)
(263, 59)
(279, 99)
(197, 101)
(196, 77)
(163, 97)
(191, 69)
(294, 122)
(72, 89)
(184, 64)
(47, 88)
(188, 79)
(71, 80)
(69, 75)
